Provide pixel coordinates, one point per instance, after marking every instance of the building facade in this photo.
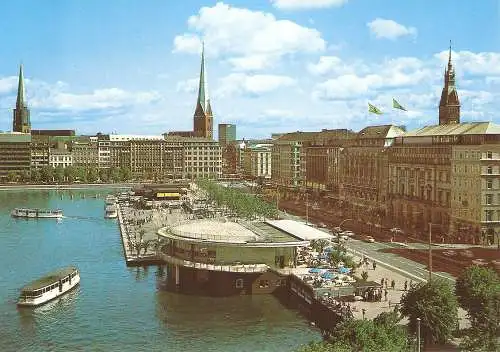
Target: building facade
(60, 158)
(15, 154)
(85, 152)
(257, 161)
(227, 134)
(449, 105)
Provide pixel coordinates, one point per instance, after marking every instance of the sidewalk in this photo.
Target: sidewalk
(372, 309)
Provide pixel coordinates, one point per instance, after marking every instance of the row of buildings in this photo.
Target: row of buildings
(443, 177)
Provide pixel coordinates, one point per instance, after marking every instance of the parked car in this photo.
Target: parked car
(348, 233)
(369, 239)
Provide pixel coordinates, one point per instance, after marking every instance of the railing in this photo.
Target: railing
(207, 237)
(242, 268)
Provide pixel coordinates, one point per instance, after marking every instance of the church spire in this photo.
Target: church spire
(449, 105)
(202, 88)
(203, 117)
(20, 89)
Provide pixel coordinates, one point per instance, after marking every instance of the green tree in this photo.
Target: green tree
(35, 175)
(70, 173)
(114, 174)
(47, 173)
(125, 174)
(478, 292)
(364, 276)
(80, 174)
(319, 245)
(384, 333)
(12, 176)
(26, 176)
(436, 305)
(92, 175)
(104, 175)
(59, 174)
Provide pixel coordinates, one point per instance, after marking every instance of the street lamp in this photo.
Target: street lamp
(418, 334)
(307, 208)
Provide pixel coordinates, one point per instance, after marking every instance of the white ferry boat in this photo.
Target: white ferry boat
(37, 213)
(49, 287)
(111, 212)
(111, 200)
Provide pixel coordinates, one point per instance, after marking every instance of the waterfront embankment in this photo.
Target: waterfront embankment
(76, 186)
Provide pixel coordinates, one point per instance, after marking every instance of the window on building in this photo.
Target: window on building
(489, 215)
(489, 155)
(238, 283)
(263, 283)
(489, 170)
(489, 184)
(489, 199)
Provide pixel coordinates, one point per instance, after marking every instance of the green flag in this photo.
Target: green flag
(396, 105)
(374, 109)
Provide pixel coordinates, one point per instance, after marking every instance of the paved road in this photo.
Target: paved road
(416, 269)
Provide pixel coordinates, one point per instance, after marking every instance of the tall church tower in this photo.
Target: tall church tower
(21, 121)
(203, 117)
(449, 105)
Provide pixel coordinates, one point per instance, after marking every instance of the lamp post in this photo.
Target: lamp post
(418, 334)
(307, 208)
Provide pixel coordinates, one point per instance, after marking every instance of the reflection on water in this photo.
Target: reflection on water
(116, 308)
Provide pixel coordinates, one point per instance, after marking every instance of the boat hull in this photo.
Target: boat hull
(33, 214)
(49, 296)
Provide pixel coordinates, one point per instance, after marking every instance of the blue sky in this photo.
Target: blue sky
(131, 66)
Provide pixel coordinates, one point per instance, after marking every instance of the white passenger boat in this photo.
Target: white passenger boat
(111, 212)
(49, 287)
(111, 200)
(37, 213)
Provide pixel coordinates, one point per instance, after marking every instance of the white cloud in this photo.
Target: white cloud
(481, 64)
(392, 73)
(389, 29)
(188, 86)
(278, 113)
(188, 43)
(8, 84)
(252, 62)
(306, 4)
(253, 85)
(248, 37)
(336, 66)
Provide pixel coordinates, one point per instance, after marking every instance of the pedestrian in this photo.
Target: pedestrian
(374, 265)
(385, 294)
(406, 285)
(364, 312)
(393, 284)
(382, 281)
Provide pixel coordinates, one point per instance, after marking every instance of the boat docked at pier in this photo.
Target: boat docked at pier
(49, 287)
(111, 200)
(111, 212)
(37, 213)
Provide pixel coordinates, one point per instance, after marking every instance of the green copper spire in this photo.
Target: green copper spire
(20, 89)
(203, 89)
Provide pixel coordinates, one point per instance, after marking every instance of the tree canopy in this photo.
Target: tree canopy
(384, 333)
(436, 305)
(478, 292)
(243, 204)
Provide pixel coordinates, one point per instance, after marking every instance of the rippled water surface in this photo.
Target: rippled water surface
(117, 308)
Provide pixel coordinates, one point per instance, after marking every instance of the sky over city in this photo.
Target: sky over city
(131, 67)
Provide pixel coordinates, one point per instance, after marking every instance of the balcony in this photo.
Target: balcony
(235, 267)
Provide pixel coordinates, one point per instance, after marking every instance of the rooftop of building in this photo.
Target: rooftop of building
(130, 137)
(465, 128)
(271, 233)
(382, 131)
(18, 137)
(189, 139)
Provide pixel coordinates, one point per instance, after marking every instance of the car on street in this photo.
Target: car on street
(368, 239)
(347, 233)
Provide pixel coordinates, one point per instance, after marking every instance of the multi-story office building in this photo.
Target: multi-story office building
(156, 158)
(202, 156)
(85, 152)
(286, 162)
(256, 161)
(15, 154)
(365, 169)
(227, 134)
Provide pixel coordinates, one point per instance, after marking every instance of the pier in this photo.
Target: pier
(132, 258)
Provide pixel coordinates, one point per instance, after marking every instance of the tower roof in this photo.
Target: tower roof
(20, 88)
(203, 88)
